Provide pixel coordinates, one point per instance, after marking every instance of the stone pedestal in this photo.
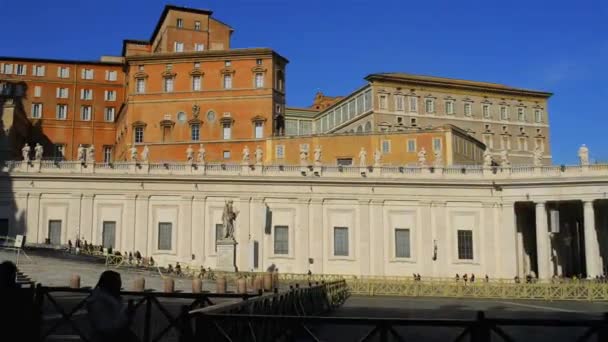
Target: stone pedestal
(226, 255)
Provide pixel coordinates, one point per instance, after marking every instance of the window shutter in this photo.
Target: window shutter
(67, 72)
(24, 69)
(58, 71)
(34, 70)
(83, 73)
(82, 94)
(105, 95)
(9, 68)
(58, 92)
(107, 75)
(43, 69)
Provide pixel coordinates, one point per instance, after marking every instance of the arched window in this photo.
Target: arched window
(360, 129)
(368, 126)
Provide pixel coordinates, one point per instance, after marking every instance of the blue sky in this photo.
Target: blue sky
(558, 46)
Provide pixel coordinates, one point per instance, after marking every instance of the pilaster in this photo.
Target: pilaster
(302, 236)
(542, 242)
(242, 232)
(197, 243)
(507, 258)
(365, 249)
(316, 232)
(140, 233)
(184, 233)
(439, 252)
(376, 223)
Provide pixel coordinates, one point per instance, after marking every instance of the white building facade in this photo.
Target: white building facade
(380, 222)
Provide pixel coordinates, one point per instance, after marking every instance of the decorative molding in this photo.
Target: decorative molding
(168, 74)
(167, 123)
(140, 75)
(197, 72)
(257, 69)
(139, 124)
(258, 118)
(228, 71)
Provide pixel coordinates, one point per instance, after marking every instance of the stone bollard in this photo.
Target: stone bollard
(197, 285)
(221, 284)
(75, 281)
(139, 284)
(169, 285)
(241, 286)
(267, 281)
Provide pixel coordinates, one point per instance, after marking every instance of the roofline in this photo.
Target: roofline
(457, 83)
(58, 61)
(207, 53)
(132, 41)
(223, 23)
(176, 8)
(302, 108)
(343, 100)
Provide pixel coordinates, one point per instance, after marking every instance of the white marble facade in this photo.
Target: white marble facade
(371, 209)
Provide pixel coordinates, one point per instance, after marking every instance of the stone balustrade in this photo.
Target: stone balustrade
(312, 171)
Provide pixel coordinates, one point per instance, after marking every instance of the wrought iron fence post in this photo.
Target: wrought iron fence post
(481, 329)
(147, 317)
(37, 310)
(185, 326)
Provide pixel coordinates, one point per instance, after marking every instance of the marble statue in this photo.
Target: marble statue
(25, 152)
(362, 157)
(318, 154)
(504, 159)
(145, 154)
(91, 155)
(583, 155)
(228, 217)
(201, 154)
(377, 158)
(246, 154)
(422, 157)
(81, 153)
(538, 157)
(259, 155)
(38, 151)
(438, 159)
(189, 154)
(303, 156)
(196, 110)
(487, 158)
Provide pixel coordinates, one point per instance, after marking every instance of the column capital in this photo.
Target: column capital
(88, 196)
(376, 202)
(588, 201)
(187, 197)
(439, 204)
(489, 204)
(199, 198)
(540, 203)
(364, 201)
(131, 196)
(316, 201)
(244, 199)
(303, 200)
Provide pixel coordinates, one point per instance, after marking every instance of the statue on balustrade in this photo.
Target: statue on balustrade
(189, 154)
(487, 158)
(38, 152)
(438, 159)
(504, 158)
(318, 155)
(583, 155)
(228, 217)
(259, 155)
(377, 158)
(538, 157)
(80, 153)
(246, 154)
(133, 154)
(91, 155)
(303, 157)
(25, 152)
(362, 157)
(422, 157)
(145, 154)
(201, 154)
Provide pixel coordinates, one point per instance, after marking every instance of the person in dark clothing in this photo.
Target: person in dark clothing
(178, 268)
(8, 275)
(472, 278)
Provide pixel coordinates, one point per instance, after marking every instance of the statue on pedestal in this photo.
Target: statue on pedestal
(504, 159)
(228, 217)
(422, 157)
(38, 151)
(91, 155)
(246, 155)
(25, 152)
(133, 154)
(377, 158)
(318, 155)
(583, 155)
(438, 159)
(487, 158)
(259, 155)
(201, 154)
(303, 157)
(538, 157)
(189, 154)
(145, 154)
(80, 153)
(362, 157)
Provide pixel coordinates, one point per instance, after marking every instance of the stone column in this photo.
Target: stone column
(592, 255)
(184, 232)
(140, 233)
(242, 233)
(423, 255)
(440, 239)
(542, 242)
(33, 216)
(364, 237)
(74, 219)
(86, 218)
(508, 242)
(302, 236)
(18, 225)
(316, 234)
(128, 226)
(257, 225)
(376, 224)
(198, 229)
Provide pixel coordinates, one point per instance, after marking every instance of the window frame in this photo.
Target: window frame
(409, 243)
(168, 84)
(260, 125)
(197, 83)
(138, 134)
(338, 250)
(64, 111)
(36, 109)
(411, 150)
(88, 110)
(465, 252)
(226, 128)
(429, 109)
(195, 132)
(108, 110)
(386, 143)
(140, 82)
(170, 235)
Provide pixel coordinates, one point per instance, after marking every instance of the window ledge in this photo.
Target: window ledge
(465, 262)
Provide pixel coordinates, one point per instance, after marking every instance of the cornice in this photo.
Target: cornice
(203, 55)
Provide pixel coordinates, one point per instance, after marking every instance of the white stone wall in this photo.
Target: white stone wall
(371, 209)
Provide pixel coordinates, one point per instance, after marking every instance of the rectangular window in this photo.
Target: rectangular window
(449, 107)
(504, 114)
(86, 94)
(226, 131)
(178, 47)
(37, 91)
(85, 113)
(538, 116)
(227, 63)
(164, 236)
(196, 83)
(38, 70)
(382, 100)
(20, 69)
(107, 154)
(168, 84)
(467, 109)
(63, 72)
(180, 23)
(86, 74)
(465, 244)
(62, 112)
(140, 87)
(227, 81)
(340, 241)
(139, 134)
(429, 105)
(62, 93)
(111, 75)
(281, 240)
(55, 232)
(36, 110)
(521, 114)
(402, 243)
(259, 130)
(195, 132)
(399, 103)
(280, 151)
(199, 47)
(386, 146)
(259, 80)
(413, 104)
(436, 144)
(226, 154)
(108, 114)
(345, 161)
(258, 61)
(197, 25)
(7, 69)
(486, 111)
(411, 145)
